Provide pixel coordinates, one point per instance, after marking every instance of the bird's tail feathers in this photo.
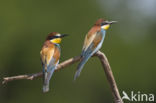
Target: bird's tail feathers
(81, 65)
(46, 82)
(46, 79)
(45, 88)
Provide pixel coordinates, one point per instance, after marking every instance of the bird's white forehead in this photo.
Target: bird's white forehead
(58, 34)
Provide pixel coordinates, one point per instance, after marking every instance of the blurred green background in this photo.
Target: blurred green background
(130, 46)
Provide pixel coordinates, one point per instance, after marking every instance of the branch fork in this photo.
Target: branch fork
(105, 65)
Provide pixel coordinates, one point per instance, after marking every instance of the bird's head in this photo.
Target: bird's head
(104, 23)
(55, 37)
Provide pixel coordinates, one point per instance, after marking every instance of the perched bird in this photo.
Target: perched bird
(93, 42)
(50, 55)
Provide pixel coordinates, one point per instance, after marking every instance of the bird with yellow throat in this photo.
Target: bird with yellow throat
(93, 42)
(50, 55)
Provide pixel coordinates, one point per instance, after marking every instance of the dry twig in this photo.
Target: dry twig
(104, 62)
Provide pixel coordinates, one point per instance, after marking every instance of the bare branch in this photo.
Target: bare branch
(110, 77)
(104, 62)
(40, 74)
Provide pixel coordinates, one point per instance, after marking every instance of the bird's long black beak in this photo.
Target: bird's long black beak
(112, 22)
(63, 35)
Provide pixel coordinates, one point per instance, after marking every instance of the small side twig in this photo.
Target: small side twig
(104, 62)
(40, 74)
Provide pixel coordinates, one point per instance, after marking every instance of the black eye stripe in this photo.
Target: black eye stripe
(105, 23)
(53, 37)
(56, 36)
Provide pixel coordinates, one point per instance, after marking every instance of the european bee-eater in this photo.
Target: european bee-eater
(50, 55)
(93, 42)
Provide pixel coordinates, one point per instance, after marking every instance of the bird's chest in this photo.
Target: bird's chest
(102, 33)
(58, 46)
